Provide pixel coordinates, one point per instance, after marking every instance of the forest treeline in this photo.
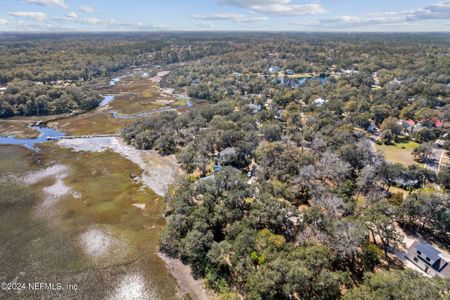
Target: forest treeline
(28, 62)
(27, 98)
(285, 197)
(48, 58)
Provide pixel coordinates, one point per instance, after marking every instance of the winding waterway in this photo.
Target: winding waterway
(46, 134)
(114, 259)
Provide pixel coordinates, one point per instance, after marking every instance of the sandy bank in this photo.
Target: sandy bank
(159, 76)
(159, 172)
(183, 274)
(56, 171)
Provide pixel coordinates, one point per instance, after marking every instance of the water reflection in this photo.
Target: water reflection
(106, 100)
(46, 134)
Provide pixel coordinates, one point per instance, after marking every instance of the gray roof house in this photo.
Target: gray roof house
(429, 259)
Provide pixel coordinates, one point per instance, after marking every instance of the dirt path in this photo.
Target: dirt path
(183, 275)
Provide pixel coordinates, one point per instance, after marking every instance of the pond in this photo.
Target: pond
(46, 134)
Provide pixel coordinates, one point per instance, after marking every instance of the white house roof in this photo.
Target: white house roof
(320, 101)
(429, 251)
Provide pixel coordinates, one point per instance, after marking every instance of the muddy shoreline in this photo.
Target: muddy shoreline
(186, 282)
(158, 174)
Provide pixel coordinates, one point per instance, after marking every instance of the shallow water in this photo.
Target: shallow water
(114, 81)
(106, 100)
(46, 135)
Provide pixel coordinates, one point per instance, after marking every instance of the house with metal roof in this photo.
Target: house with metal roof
(429, 259)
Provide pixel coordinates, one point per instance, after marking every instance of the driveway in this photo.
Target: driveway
(400, 252)
(435, 160)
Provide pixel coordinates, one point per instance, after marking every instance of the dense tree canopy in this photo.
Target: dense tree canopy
(303, 207)
(26, 98)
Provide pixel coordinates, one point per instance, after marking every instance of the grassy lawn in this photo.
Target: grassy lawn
(394, 190)
(178, 103)
(400, 153)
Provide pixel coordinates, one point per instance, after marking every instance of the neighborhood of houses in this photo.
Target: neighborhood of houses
(418, 254)
(411, 126)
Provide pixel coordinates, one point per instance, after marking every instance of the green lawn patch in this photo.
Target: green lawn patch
(400, 153)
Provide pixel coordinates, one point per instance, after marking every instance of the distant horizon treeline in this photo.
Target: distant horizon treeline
(84, 57)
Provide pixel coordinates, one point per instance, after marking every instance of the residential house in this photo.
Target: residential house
(408, 125)
(254, 107)
(418, 127)
(437, 123)
(429, 259)
(319, 102)
(430, 123)
(349, 71)
(280, 81)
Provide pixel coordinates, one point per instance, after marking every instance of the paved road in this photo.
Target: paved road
(434, 161)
